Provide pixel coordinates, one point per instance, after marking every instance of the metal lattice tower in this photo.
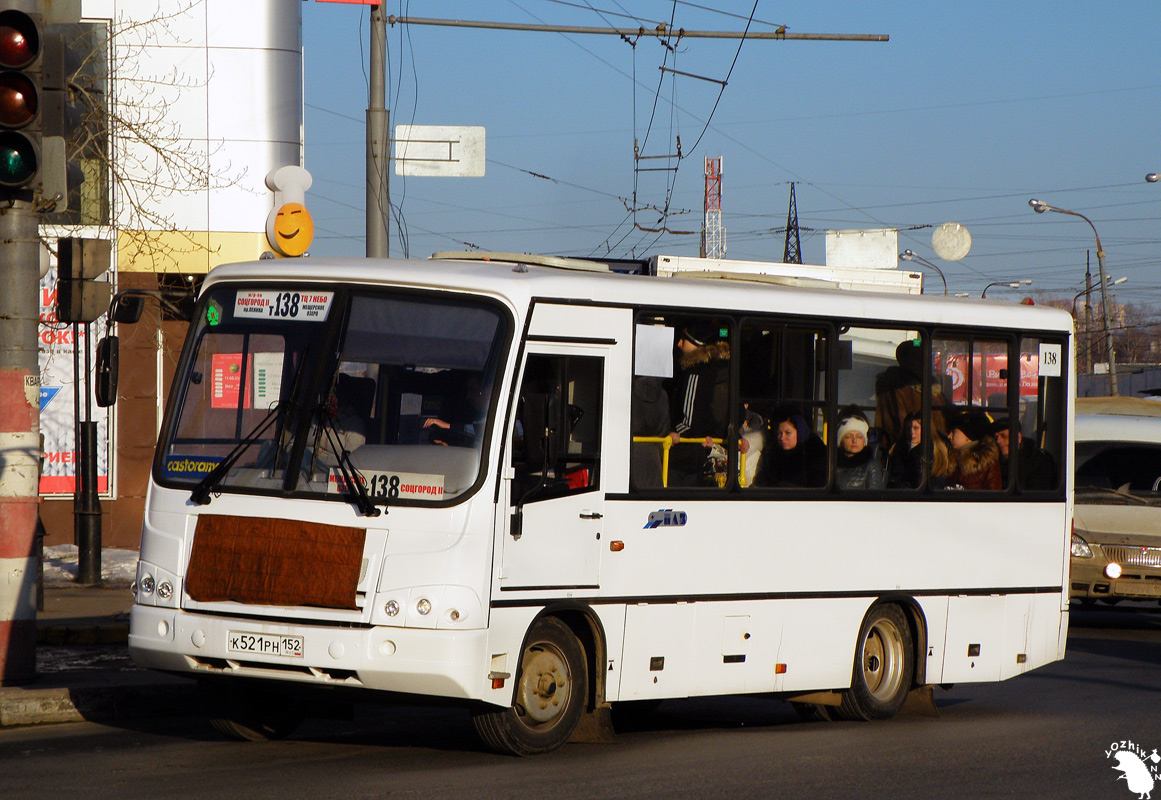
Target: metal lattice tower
(713, 235)
(792, 254)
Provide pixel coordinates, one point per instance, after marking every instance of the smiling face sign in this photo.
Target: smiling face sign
(293, 230)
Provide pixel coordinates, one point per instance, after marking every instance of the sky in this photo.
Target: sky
(966, 113)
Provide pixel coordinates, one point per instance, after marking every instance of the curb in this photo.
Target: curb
(134, 696)
(84, 634)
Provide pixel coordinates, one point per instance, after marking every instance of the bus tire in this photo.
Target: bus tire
(884, 666)
(550, 695)
(249, 711)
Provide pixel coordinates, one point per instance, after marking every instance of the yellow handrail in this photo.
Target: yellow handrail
(666, 443)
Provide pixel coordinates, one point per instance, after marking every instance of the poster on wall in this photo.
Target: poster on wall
(57, 383)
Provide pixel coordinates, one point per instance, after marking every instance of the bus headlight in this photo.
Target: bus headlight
(423, 607)
(1113, 570)
(391, 608)
(1080, 548)
(147, 584)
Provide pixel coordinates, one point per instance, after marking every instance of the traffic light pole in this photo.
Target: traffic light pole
(19, 439)
(86, 500)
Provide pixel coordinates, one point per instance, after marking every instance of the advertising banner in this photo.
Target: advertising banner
(57, 382)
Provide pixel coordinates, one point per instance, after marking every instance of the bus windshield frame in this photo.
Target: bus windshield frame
(394, 388)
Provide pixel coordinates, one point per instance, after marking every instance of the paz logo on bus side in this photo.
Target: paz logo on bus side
(666, 517)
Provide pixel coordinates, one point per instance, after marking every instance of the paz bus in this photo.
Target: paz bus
(419, 478)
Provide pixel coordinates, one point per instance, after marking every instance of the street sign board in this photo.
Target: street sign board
(452, 151)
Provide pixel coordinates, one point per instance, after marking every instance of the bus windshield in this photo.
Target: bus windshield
(299, 390)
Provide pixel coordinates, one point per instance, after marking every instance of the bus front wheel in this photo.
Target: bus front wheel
(550, 695)
(884, 666)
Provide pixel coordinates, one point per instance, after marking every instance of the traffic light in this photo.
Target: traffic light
(21, 43)
(80, 298)
(58, 117)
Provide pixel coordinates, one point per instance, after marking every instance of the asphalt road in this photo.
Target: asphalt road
(1045, 734)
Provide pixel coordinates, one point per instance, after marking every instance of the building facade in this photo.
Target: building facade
(203, 98)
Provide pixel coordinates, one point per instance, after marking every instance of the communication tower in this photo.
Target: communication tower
(792, 254)
(713, 235)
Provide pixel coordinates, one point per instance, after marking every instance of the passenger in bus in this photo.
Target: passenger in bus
(905, 467)
(798, 457)
(858, 465)
(700, 401)
(975, 457)
(349, 407)
(899, 391)
(1036, 468)
(649, 417)
(750, 444)
(466, 428)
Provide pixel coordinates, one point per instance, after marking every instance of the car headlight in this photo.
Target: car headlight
(1080, 548)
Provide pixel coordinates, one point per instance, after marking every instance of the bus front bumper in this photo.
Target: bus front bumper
(452, 664)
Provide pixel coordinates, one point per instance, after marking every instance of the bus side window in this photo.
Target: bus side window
(557, 441)
(1038, 448)
(782, 374)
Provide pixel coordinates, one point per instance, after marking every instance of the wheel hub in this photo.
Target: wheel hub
(544, 686)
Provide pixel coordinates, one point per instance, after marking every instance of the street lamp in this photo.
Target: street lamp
(1085, 347)
(1009, 284)
(1040, 207)
(1086, 290)
(909, 255)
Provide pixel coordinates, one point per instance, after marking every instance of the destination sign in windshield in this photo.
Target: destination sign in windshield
(284, 305)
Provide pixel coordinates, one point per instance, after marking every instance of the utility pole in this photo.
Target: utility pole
(19, 439)
(1087, 312)
(378, 133)
(378, 211)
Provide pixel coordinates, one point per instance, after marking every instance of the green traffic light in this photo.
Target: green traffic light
(17, 160)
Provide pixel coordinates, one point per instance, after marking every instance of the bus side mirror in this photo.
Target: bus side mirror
(106, 377)
(128, 308)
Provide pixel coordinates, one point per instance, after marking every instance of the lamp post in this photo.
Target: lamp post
(909, 255)
(1040, 207)
(1009, 284)
(1085, 348)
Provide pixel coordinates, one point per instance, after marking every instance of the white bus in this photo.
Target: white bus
(443, 479)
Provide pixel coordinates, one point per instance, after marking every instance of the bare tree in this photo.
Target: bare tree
(1138, 334)
(138, 163)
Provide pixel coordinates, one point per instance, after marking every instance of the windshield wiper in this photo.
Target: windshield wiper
(201, 492)
(351, 474)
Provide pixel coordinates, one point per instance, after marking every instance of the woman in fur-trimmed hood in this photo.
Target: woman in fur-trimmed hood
(974, 454)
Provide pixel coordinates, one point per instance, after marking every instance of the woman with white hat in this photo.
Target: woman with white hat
(857, 466)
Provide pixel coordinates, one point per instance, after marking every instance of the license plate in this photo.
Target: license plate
(265, 644)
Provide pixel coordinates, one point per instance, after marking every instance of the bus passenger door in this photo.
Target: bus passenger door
(555, 490)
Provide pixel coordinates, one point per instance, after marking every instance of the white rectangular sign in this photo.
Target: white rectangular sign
(1050, 355)
(291, 304)
(384, 485)
(451, 151)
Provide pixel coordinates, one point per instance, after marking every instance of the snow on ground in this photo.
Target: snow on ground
(118, 567)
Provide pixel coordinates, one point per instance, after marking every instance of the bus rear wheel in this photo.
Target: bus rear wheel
(248, 710)
(884, 666)
(550, 695)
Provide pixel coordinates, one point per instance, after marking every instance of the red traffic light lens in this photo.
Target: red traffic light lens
(17, 160)
(19, 40)
(18, 102)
